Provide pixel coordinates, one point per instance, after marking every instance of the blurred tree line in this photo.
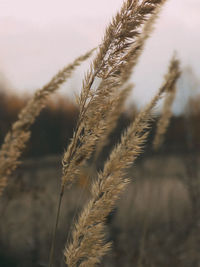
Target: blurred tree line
(53, 129)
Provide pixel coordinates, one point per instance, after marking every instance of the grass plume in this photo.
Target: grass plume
(166, 114)
(116, 109)
(88, 241)
(111, 69)
(109, 72)
(15, 141)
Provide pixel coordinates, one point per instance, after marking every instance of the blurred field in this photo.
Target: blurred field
(53, 129)
(154, 223)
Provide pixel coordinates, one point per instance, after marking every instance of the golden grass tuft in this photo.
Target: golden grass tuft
(15, 141)
(110, 71)
(88, 239)
(166, 114)
(104, 91)
(121, 47)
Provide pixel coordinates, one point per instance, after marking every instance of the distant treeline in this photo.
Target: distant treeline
(53, 129)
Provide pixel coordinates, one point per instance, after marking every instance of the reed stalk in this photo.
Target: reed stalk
(88, 243)
(121, 47)
(17, 138)
(166, 114)
(165, 117)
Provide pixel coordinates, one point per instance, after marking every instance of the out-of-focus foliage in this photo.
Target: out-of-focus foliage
(51, 131)
(54, 127)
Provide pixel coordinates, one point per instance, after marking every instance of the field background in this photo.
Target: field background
(153, 224)
(156, 223)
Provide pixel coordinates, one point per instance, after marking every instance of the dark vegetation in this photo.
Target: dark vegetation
(162, 226)
(51, 131)
(54, 127)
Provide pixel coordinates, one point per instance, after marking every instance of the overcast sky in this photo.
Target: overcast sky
(38, 37)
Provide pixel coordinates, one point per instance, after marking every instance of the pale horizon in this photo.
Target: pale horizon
(40, 37)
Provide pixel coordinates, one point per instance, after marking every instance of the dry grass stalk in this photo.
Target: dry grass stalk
(116, 109)
(133, 55)
(164, 120)
(137, 47)
(87, 171)
(15, 141)
(88, 240)
(111, 68)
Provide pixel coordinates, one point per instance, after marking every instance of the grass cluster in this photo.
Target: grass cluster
(105, 89)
